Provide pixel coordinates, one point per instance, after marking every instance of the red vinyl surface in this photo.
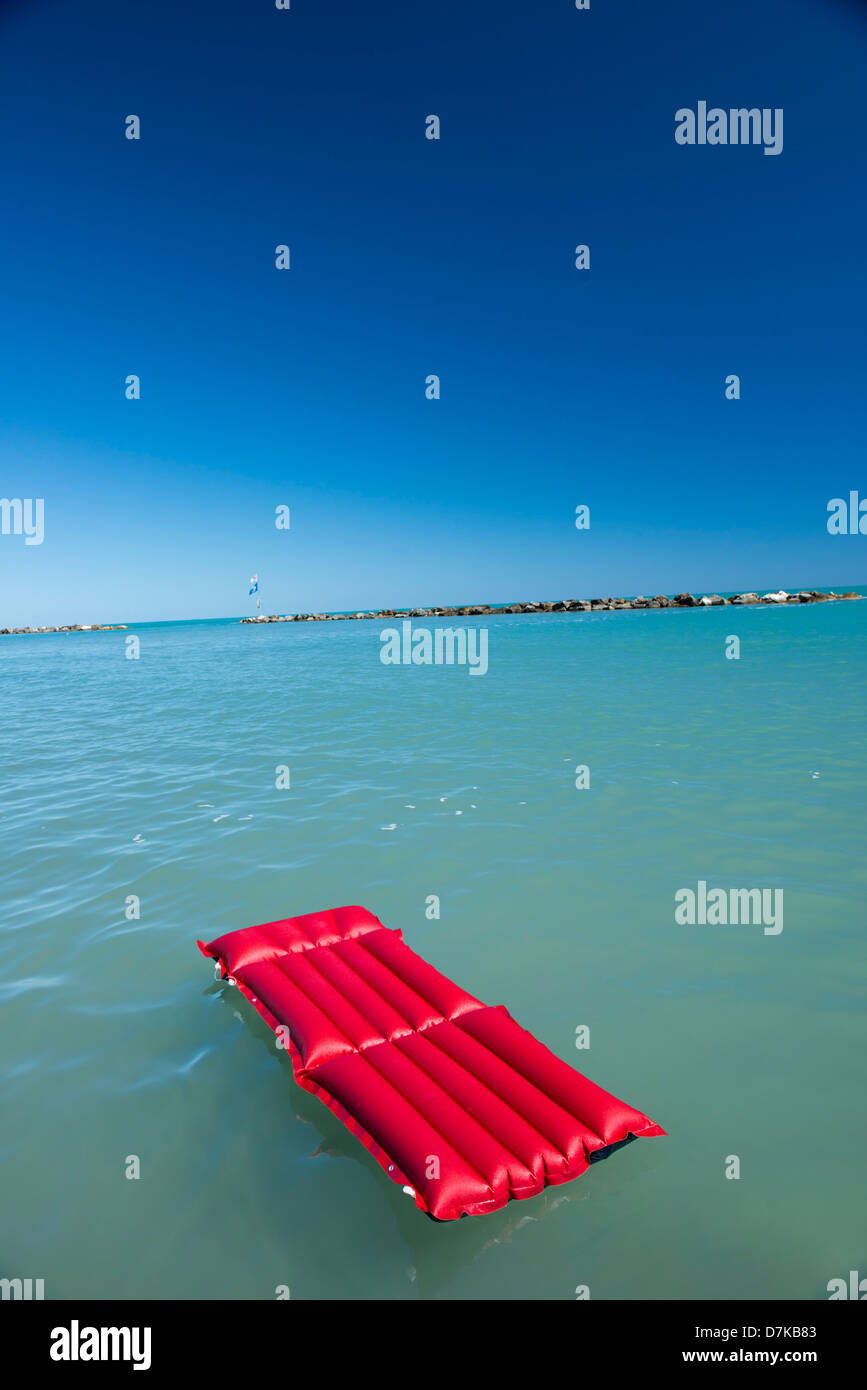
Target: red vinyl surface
(452, 1097)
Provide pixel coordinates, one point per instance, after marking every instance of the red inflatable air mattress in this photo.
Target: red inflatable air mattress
(453, 1098)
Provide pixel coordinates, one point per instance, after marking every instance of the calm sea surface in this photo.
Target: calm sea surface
(156, 778)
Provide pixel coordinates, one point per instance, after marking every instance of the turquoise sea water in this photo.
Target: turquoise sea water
(156, 777)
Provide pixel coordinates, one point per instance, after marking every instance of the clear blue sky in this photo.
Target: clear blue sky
(411, 257)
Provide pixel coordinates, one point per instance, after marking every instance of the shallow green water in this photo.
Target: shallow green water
(156, 777)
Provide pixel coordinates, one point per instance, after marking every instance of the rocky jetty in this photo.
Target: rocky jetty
(572, 605)
(482, 610)
(69, 627)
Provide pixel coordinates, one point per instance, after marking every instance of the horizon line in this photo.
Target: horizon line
(7, 630)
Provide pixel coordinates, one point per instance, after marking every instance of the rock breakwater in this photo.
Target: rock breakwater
(575, 605)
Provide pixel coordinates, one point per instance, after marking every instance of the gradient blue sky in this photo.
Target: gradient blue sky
(409, 257)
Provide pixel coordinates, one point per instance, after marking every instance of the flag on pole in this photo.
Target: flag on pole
(254, 583)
